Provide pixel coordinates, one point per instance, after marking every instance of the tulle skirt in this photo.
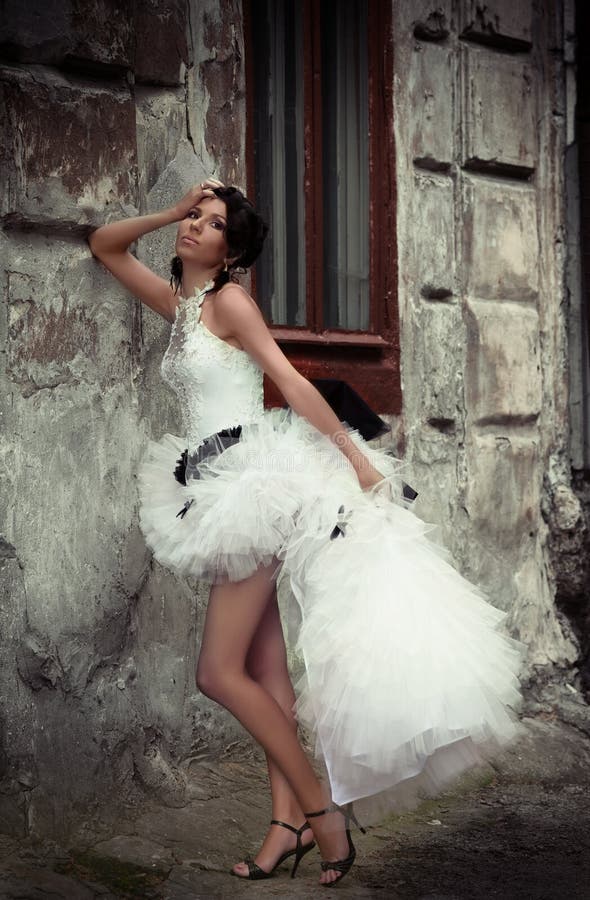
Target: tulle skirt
(410, 678)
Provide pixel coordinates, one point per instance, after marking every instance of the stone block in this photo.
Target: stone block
(217, 89)
(430, 20)
(432, 100)
(169, 606)
(568, 544)
(503, 370)
(502, 496)
(68, 149)
(438, 336)
(158, 403)
(431, 456)
(431, 447)
(149, 38)
(161, 126)
(76, 499)
(433, 234)
(500, 22)
(59, 331)
(161, 54)
(499, 118)
(500, 240)
(73, 33)
(534, 618)
(70, 382)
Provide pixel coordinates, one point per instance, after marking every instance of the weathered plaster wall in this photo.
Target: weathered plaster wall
(108, 108)
(480, 137)
(571, 552)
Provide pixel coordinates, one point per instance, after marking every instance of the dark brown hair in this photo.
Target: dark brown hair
(245, 233)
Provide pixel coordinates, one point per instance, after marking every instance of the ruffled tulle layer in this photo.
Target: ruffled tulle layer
(409, 677)
(247, 500)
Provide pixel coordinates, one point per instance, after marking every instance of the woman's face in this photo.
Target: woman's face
(201, 234)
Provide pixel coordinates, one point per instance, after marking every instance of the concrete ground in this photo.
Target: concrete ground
(518, 830)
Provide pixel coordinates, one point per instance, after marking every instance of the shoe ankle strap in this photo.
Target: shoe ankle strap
(321, 812)
(347, 811)
(297, 831)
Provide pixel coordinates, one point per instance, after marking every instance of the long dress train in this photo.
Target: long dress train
(410, 677)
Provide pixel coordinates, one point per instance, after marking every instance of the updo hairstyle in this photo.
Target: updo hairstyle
(245, 233)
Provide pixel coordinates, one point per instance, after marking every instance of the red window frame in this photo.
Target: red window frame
(367, 360)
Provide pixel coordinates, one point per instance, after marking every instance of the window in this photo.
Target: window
(320, 167)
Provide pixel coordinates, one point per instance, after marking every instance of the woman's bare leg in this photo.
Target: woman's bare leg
(234, 614)
(266, 663)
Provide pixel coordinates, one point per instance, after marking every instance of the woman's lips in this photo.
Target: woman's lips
(190, 240)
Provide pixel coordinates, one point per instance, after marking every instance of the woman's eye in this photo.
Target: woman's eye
(193, 214)
(217, 225)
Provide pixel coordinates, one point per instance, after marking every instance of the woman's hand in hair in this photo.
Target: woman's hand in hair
(195, 195)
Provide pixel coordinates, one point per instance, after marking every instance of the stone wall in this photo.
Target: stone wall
(480, 132)
(112, 108)
(108, 108)
(572, 547)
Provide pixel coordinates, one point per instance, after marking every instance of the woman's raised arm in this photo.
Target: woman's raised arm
(242, 318)
(110, 243)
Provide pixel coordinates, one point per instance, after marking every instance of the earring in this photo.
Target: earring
(225, 266)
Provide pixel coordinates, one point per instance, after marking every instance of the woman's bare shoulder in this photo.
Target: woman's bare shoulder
(232, 299)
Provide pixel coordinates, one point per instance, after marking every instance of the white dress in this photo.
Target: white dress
(409, 678)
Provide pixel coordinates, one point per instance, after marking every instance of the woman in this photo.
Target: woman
(257, 491)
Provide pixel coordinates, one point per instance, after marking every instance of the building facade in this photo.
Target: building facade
(425, 169)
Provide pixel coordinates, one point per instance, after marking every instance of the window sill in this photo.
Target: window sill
(329, 338)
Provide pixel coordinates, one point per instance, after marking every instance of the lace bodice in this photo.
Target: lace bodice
(218, 385)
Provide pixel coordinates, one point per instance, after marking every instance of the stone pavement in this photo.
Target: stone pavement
(518, 830)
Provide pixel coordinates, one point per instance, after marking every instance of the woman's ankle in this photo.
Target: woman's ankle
(291, 815)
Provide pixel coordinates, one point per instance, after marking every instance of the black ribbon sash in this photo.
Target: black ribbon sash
(348, 405)
(209, 447)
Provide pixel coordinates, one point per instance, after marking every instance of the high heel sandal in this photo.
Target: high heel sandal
(339, 865)
(255, 873)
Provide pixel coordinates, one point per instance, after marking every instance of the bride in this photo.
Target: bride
(408, 677)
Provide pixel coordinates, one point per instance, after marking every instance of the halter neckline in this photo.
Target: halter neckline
(199, 293)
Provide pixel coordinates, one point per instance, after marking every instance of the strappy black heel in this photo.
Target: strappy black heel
(340, 865)
(255, 873)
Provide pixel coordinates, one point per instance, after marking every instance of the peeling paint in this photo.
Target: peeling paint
(47, 336)
(63, 131)
(483, 426)
(222, 76)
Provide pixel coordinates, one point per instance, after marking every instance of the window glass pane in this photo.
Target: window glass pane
(345, 153)
(277, 45)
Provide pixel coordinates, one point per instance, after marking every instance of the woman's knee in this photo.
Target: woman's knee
(209, 679)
